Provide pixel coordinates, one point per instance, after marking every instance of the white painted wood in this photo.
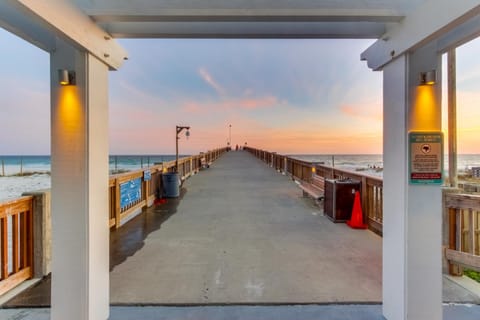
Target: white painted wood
(424, 212)
(155, 7)
(427, 22)
(395, 173)
(61, 18)
(412, 275)
(258, 30)
(80, 232)
(98, 177)
(246, 19)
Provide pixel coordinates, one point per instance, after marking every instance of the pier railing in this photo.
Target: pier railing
(463, 248)
(16, 241)
(145, 184)
(371, 187)
(21, 249)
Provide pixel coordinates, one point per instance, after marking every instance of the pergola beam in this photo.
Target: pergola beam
(260, 30)
(426, 23)
(247, 15)
(39, 22)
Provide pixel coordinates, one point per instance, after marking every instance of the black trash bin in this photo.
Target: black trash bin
(171, 184)
(339, 197)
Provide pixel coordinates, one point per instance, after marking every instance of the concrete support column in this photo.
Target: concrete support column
(79, 129)
(412, 264)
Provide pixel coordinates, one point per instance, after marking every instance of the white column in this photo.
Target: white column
(412, 274)
(79, 129)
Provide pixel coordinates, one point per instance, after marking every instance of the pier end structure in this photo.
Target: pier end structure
(79, 149)
(80, 229)
(412, 228)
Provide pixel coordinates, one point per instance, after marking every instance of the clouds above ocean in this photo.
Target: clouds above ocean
(292, 96)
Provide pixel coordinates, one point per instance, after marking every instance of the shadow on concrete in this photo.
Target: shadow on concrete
(128, 239)
(124, 243)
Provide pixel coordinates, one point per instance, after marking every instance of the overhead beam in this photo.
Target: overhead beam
(15, 21)
(460, 35)
(246, 15)
(62, 19)
(428, 22)
(278, 30)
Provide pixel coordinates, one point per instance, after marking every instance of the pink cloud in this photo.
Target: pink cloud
(264, 102)
(246, 104)
(363, 111)
(209, 79)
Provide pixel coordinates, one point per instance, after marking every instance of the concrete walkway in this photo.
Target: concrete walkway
(243, 234)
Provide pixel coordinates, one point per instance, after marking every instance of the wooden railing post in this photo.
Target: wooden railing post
(4, 248)
(117, 204)
(453, 269)
(364, 198)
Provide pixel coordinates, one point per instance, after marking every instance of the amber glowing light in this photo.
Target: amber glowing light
(425, 110)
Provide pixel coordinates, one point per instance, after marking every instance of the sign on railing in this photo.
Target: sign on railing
(147, 175)
(130, 192)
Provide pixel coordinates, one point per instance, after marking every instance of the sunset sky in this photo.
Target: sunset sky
(289, 96)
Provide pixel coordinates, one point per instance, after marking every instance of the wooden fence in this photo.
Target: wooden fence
(16, 242)
(371, 187)
(464, 232)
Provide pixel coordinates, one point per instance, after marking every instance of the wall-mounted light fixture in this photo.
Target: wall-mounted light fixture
(428, 78)
(66, 77)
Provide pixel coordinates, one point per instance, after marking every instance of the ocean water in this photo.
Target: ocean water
(36, 171)
(38, 167)
(11, 165)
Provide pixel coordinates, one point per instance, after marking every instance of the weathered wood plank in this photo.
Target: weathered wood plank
(131, 210)
(15, 279)
(4, 248)
(15, 244)
(463, 201)
(15, 206)
(464, 259)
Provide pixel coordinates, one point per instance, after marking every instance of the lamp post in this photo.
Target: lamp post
(178, 130)
(230, 135)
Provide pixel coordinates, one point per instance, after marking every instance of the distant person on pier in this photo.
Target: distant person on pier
(236, 148)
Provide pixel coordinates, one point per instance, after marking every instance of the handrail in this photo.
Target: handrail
(371, 187)
(150, 188)
(464, 232)
(16, 234)
(16, 215)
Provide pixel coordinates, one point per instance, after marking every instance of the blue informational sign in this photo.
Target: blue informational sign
(130, 192)
(147, 175)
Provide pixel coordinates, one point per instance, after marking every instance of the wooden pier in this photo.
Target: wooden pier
(242, 233)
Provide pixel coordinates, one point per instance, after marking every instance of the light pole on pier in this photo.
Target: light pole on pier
(178, 130)
(230, 135)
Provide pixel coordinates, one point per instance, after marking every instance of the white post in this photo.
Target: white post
(79, 129)
(412, 264)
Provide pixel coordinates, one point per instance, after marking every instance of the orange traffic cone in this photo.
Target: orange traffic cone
(356, 221)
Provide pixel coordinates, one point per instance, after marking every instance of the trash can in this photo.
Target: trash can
(339, 197)
(171, 185)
